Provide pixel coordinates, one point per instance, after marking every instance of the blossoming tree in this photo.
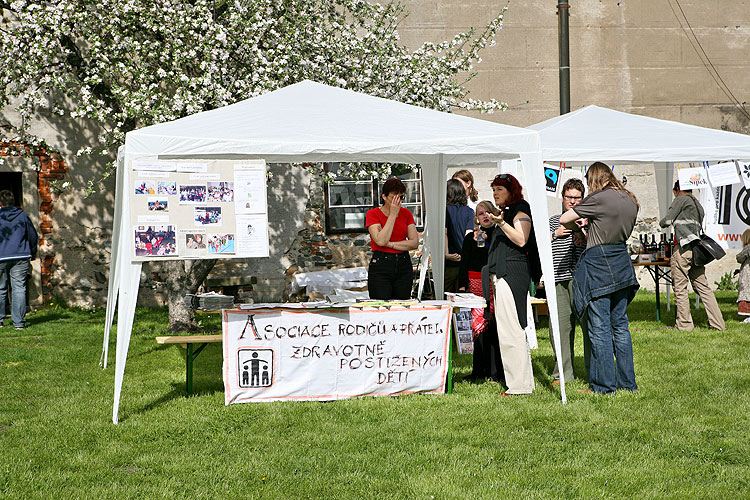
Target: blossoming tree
(126, 64)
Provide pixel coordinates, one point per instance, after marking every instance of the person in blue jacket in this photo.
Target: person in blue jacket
(18, 243)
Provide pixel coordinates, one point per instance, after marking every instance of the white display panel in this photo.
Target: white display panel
(212, 209)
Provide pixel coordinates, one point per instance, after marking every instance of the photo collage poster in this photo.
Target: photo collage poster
(208, 209)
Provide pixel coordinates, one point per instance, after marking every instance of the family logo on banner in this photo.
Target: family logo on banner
(552, 175)
(693, 178)
(744, 168)
(336, 353)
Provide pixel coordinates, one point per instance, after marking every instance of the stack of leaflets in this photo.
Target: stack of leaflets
(210, 301)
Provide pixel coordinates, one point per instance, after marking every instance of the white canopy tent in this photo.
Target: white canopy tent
(311, 122)
(614, 137)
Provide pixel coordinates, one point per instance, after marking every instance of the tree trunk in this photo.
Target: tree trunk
(183, 277)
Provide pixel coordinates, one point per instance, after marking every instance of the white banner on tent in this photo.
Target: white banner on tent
(744, 168)
(693, 178)
(727, 214)
(723, 174)
(337, 353)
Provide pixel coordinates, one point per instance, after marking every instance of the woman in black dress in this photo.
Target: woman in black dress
(510, 274)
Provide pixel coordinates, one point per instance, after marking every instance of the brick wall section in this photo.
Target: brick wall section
(51, 167)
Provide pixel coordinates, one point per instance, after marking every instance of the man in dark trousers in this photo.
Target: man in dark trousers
(18, 242)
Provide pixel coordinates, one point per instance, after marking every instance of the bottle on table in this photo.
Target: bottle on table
(662, 254)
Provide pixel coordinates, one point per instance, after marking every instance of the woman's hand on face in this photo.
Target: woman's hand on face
(395, 206)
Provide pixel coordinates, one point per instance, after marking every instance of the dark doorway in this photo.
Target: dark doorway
(12, 182)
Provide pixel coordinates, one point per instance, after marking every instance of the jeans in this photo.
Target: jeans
(17, 270)
(611, 348)
(390, 276)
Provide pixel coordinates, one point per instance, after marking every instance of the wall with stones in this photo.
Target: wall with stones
(631, 56)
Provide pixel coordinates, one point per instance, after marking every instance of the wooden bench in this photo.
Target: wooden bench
(188, 341)
(540, 307)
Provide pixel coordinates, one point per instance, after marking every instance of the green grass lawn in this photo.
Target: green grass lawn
(683, 435)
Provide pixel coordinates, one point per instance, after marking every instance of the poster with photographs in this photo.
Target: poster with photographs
(183, 209)
(220, 191)
(145, 187)
(155, 241)
(207, 216)
(166, 187)
(222, 243)
(192, 193)
(158, 204)
(462, 328)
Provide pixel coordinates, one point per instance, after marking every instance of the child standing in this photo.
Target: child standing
(743, 287)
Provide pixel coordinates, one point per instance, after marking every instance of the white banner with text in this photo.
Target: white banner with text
(337, 353)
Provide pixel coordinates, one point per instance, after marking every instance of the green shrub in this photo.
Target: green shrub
(727, 282)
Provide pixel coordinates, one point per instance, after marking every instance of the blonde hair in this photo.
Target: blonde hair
(745, 238)
(466, 176)
(487, 206)
(599, 176)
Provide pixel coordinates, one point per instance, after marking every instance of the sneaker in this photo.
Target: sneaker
(747, 320)
(20, 328)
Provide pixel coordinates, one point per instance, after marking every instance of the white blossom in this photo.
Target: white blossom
(124, 64)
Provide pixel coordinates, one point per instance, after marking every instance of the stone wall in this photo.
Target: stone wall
(631, 56)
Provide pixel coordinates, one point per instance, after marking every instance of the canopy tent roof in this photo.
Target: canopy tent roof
(322, 123)
(599, 134)
(311, 122)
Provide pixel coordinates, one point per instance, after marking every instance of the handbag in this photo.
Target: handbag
(705, 249)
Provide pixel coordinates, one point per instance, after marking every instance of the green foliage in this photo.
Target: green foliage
(126, 65)
(683, 435)
(726, 283)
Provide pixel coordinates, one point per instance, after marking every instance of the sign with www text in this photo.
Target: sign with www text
(325, 354)
(727, 214)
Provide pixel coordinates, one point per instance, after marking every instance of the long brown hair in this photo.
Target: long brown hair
(599, 176)
(466, 176)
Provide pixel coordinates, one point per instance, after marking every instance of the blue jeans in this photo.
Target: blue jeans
(611, 348)
(17, 270)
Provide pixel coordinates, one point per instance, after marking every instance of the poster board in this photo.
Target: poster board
(289, 353)
(462, 328)
(188, 209)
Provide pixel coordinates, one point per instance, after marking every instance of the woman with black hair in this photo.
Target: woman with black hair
(392, 234)
(459, 221)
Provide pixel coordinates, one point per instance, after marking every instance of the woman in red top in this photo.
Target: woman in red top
(392, 234)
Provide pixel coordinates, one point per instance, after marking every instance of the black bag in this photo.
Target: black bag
(705, 250)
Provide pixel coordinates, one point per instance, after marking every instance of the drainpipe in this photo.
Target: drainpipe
(563, 13)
